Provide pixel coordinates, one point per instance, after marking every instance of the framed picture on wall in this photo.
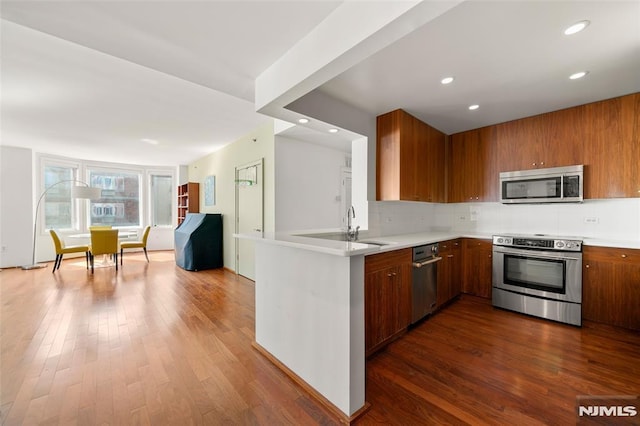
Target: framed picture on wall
(210, 191)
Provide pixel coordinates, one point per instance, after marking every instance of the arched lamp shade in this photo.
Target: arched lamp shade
(77, 191)
(88, 192)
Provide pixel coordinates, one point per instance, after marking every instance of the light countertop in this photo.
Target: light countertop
(390, 242)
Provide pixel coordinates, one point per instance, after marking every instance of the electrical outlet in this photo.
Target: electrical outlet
(592, 220)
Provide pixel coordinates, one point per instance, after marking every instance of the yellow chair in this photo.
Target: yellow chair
(104, 241)
(61, 250)
(99, 227)
(136, 244)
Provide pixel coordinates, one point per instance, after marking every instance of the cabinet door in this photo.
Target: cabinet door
(611, 286)
(564, 137)
(449, 271)
(387, 297)
(455, 272)
(519, 144)
(612, 148)
(410, 159)
(388, 156)
(380, 298)
(443, 291)
(472, 172)
(477, 267)
(430, 167)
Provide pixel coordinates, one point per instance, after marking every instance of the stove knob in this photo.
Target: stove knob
(500, 240)
(560, 244)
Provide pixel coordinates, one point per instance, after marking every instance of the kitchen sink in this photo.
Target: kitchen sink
(376, 242)
(342, 236)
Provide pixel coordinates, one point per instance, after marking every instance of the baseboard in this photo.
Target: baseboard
(328, 406)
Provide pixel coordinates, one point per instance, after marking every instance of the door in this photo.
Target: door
(249, 214)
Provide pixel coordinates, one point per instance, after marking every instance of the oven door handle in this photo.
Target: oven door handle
(533, 254)
(426, 262)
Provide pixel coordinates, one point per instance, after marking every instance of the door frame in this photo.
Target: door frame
(260, 177)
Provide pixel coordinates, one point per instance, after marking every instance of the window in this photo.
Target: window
(58, 204)
(131, 196)
(161, 200)
(120, 202)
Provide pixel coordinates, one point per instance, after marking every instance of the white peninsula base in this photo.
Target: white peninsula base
(310, 318)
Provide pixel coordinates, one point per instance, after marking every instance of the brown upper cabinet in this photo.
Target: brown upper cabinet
(554, 139)
(604, 136)
(472, 172)
(612, 148)
(410, 159)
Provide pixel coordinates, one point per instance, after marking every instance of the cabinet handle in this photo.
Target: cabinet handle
(587, 266)
(533, 164)
(449, 256)
(624, 255)
(542, 163)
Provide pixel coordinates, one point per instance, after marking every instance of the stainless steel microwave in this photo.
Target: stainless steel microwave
(553, 185)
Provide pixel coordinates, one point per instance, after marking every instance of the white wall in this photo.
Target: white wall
(610, 219)
(222, 164)
(16, 206)
(308, 185)
(615, 219)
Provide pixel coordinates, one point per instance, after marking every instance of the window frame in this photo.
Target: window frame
(76, 216)
(108, 168)
(81, 208)
(174, 195)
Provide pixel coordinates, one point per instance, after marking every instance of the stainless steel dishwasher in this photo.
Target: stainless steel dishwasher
(424, 281)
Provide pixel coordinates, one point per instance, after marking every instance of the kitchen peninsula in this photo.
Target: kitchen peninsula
(310, 317)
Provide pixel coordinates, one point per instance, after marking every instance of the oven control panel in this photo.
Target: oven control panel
(538, 242)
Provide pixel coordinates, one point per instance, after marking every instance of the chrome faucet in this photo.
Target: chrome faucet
(352, 234)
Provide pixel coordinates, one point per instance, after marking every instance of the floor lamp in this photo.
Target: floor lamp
(86, 191)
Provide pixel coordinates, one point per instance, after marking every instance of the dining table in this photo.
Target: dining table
(106, 260)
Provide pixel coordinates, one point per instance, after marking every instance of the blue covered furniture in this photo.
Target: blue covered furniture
(198, 242)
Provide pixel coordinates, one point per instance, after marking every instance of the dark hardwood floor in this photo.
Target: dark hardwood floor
(154, 344)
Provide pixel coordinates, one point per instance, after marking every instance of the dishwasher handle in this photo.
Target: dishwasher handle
(426, 262)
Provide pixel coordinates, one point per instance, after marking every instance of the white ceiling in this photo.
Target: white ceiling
(511, 58)
(91, 79)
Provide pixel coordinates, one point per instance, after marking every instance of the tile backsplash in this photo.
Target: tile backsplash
(610, 219)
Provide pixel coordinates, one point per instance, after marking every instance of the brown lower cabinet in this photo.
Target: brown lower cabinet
(611, 286)
(449, 271)
(477, 260)
(387, 297)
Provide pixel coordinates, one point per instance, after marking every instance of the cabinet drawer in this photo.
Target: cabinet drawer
(447, 246)
(610, 254)
(375, 262)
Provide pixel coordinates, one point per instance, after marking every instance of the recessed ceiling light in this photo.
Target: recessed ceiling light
(578, 75)
(474, 107)
(150, 141)
(446, 80)
(576, 28)
(303, 120)
(333, 130)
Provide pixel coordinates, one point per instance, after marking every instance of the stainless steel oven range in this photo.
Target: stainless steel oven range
(538, 275)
